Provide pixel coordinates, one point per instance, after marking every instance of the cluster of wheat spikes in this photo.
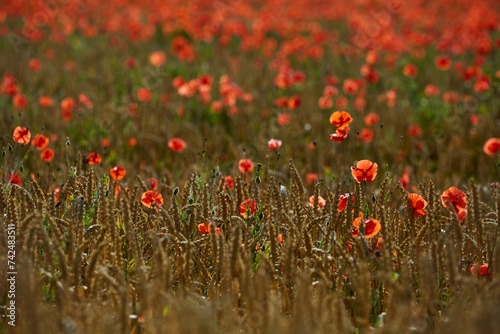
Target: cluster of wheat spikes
(93, 262)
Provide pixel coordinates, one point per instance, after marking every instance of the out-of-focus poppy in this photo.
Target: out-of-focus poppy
(458, 199)
(248, 208)
(176, 144)
(364, 170)
(492, 146)
(273, 144)
(153, 183)
(205, 228)
(245, 165)
(47, 155)
(418, 204)
(117, 173)
(481, 270)
(143, 94)
(443, 63)
(40, 141)
(410, 70)
(157, 58)
(341, 119)
(372, 227)
(371, 119)
(340, 134)
(150, 198)
(94, 158)
(283, 119)
(20, 101)
(366, 135)
(405, 178)
(311, 177)
(45, 101)
(414, 130)
(15, 179)
(229, 181)
(321, 201)
(21, 135)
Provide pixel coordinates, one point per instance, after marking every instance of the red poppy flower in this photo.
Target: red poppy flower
(45, 101)
(280, 238)
(341, 102)
(364, 170)
(205, 228)
(343, 201)
(492, 146)
(325, 102)
(366, 135)
(153, 183)
(15, 179)
(143, 94)
(443, 63)
(458, 199)
(245, 165)
(40, 141)
(418, 204)
(405, 178)
(283, 119)
(341, 119)
(94, 158)
(47, 155)
(321, 201)
(176, 144)
(157, 58)
(311, 177)
(431, 90)
(340, 134)
(273, 144)
(150, 197)
(350, 86)
(56, 194)
(105, 142)
(293, 102)
(21, 135)
(329, 91)
(480, 270)
(117, 173)
(248, 208)
(410, 70)
(20, 101)
(414, 130)
(371, 119)
(229, 181)
(372, 227)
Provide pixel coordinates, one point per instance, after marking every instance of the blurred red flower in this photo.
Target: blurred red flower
(492, 146)
(245, 165)
(21, 135)
(117, 173)
(176, 144)
(47, 155)
(40, 141)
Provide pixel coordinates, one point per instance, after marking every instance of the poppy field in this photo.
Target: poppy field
(238, 166)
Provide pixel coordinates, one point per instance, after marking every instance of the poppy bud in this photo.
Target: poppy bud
(176, 191)
(261, 216)
(188, 212)
(257, 180)
(191, 201)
